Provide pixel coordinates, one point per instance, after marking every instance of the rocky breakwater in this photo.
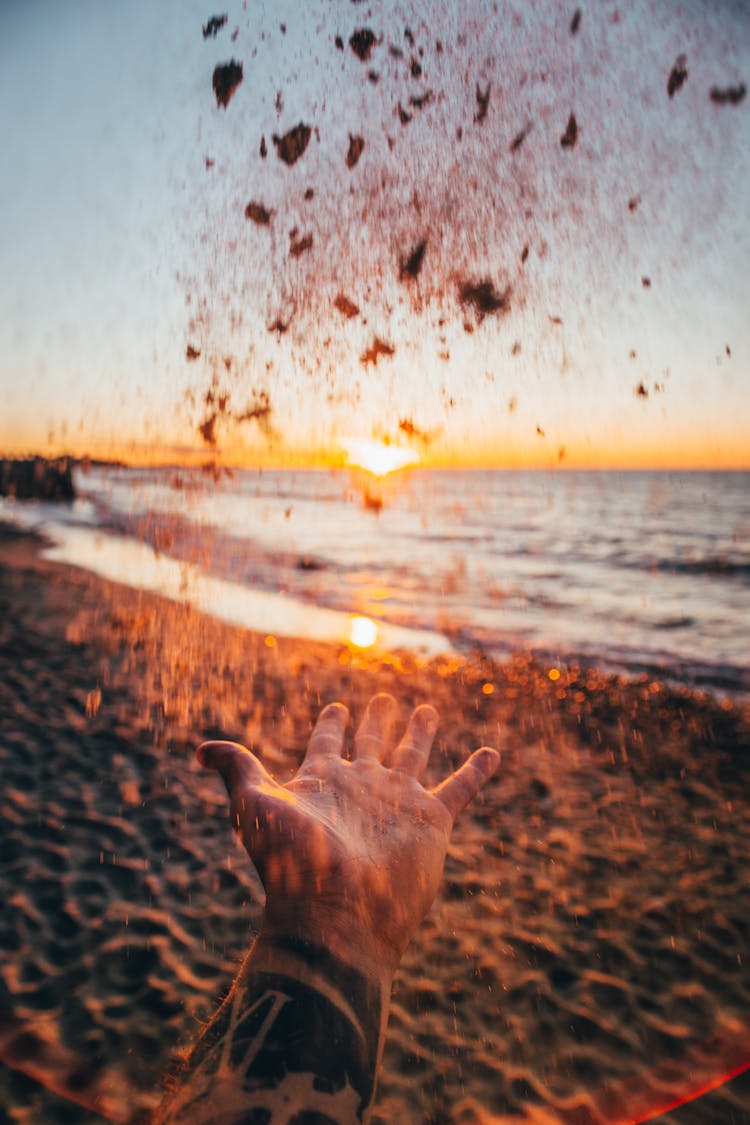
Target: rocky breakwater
(37, 478)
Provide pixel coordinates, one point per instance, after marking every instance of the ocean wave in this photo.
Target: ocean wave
(597, 569)
(712, 565)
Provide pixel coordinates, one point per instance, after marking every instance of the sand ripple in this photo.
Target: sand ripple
(589, 951)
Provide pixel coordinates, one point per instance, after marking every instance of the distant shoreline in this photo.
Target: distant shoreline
(212, 460)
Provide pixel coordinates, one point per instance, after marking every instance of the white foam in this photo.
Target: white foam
(136, 564)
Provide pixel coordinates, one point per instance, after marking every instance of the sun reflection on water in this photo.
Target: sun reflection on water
(363, 632)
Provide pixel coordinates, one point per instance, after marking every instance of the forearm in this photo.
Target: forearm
(298, 1038)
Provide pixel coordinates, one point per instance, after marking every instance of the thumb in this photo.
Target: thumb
(237, 765)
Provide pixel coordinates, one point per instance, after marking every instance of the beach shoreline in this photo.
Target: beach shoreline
(644, 576)
(595, 915)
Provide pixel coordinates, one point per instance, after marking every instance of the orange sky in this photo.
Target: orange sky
(705, 451)
(138, 293)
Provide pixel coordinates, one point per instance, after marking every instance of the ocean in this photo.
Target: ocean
(637, 572)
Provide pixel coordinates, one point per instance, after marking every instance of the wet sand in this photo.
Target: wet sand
(587, 959)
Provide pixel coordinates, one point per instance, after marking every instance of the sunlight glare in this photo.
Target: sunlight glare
(363, 632)
(377, 457)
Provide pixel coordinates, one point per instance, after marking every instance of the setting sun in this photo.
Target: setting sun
(377, 457)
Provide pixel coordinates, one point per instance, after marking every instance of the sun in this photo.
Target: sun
(377, 457)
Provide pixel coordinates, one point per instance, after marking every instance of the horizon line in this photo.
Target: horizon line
(190, 458)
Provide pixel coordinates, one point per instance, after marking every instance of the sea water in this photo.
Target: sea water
(637, 571)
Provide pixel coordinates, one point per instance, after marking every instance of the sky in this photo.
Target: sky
(519, 301)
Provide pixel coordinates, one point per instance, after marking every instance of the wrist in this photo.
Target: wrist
(304, 950)
(339, 934)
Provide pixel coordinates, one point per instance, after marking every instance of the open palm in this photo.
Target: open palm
(350, 850)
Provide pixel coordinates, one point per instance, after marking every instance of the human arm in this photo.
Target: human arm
(351, 854)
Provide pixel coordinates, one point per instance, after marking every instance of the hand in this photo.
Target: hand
(350, 853)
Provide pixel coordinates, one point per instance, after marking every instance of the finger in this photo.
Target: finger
(413, 750)
(237, 765)
(371, 739)
(327, 738)
(458, 789)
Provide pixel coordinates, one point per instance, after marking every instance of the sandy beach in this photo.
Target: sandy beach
(587, 960)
